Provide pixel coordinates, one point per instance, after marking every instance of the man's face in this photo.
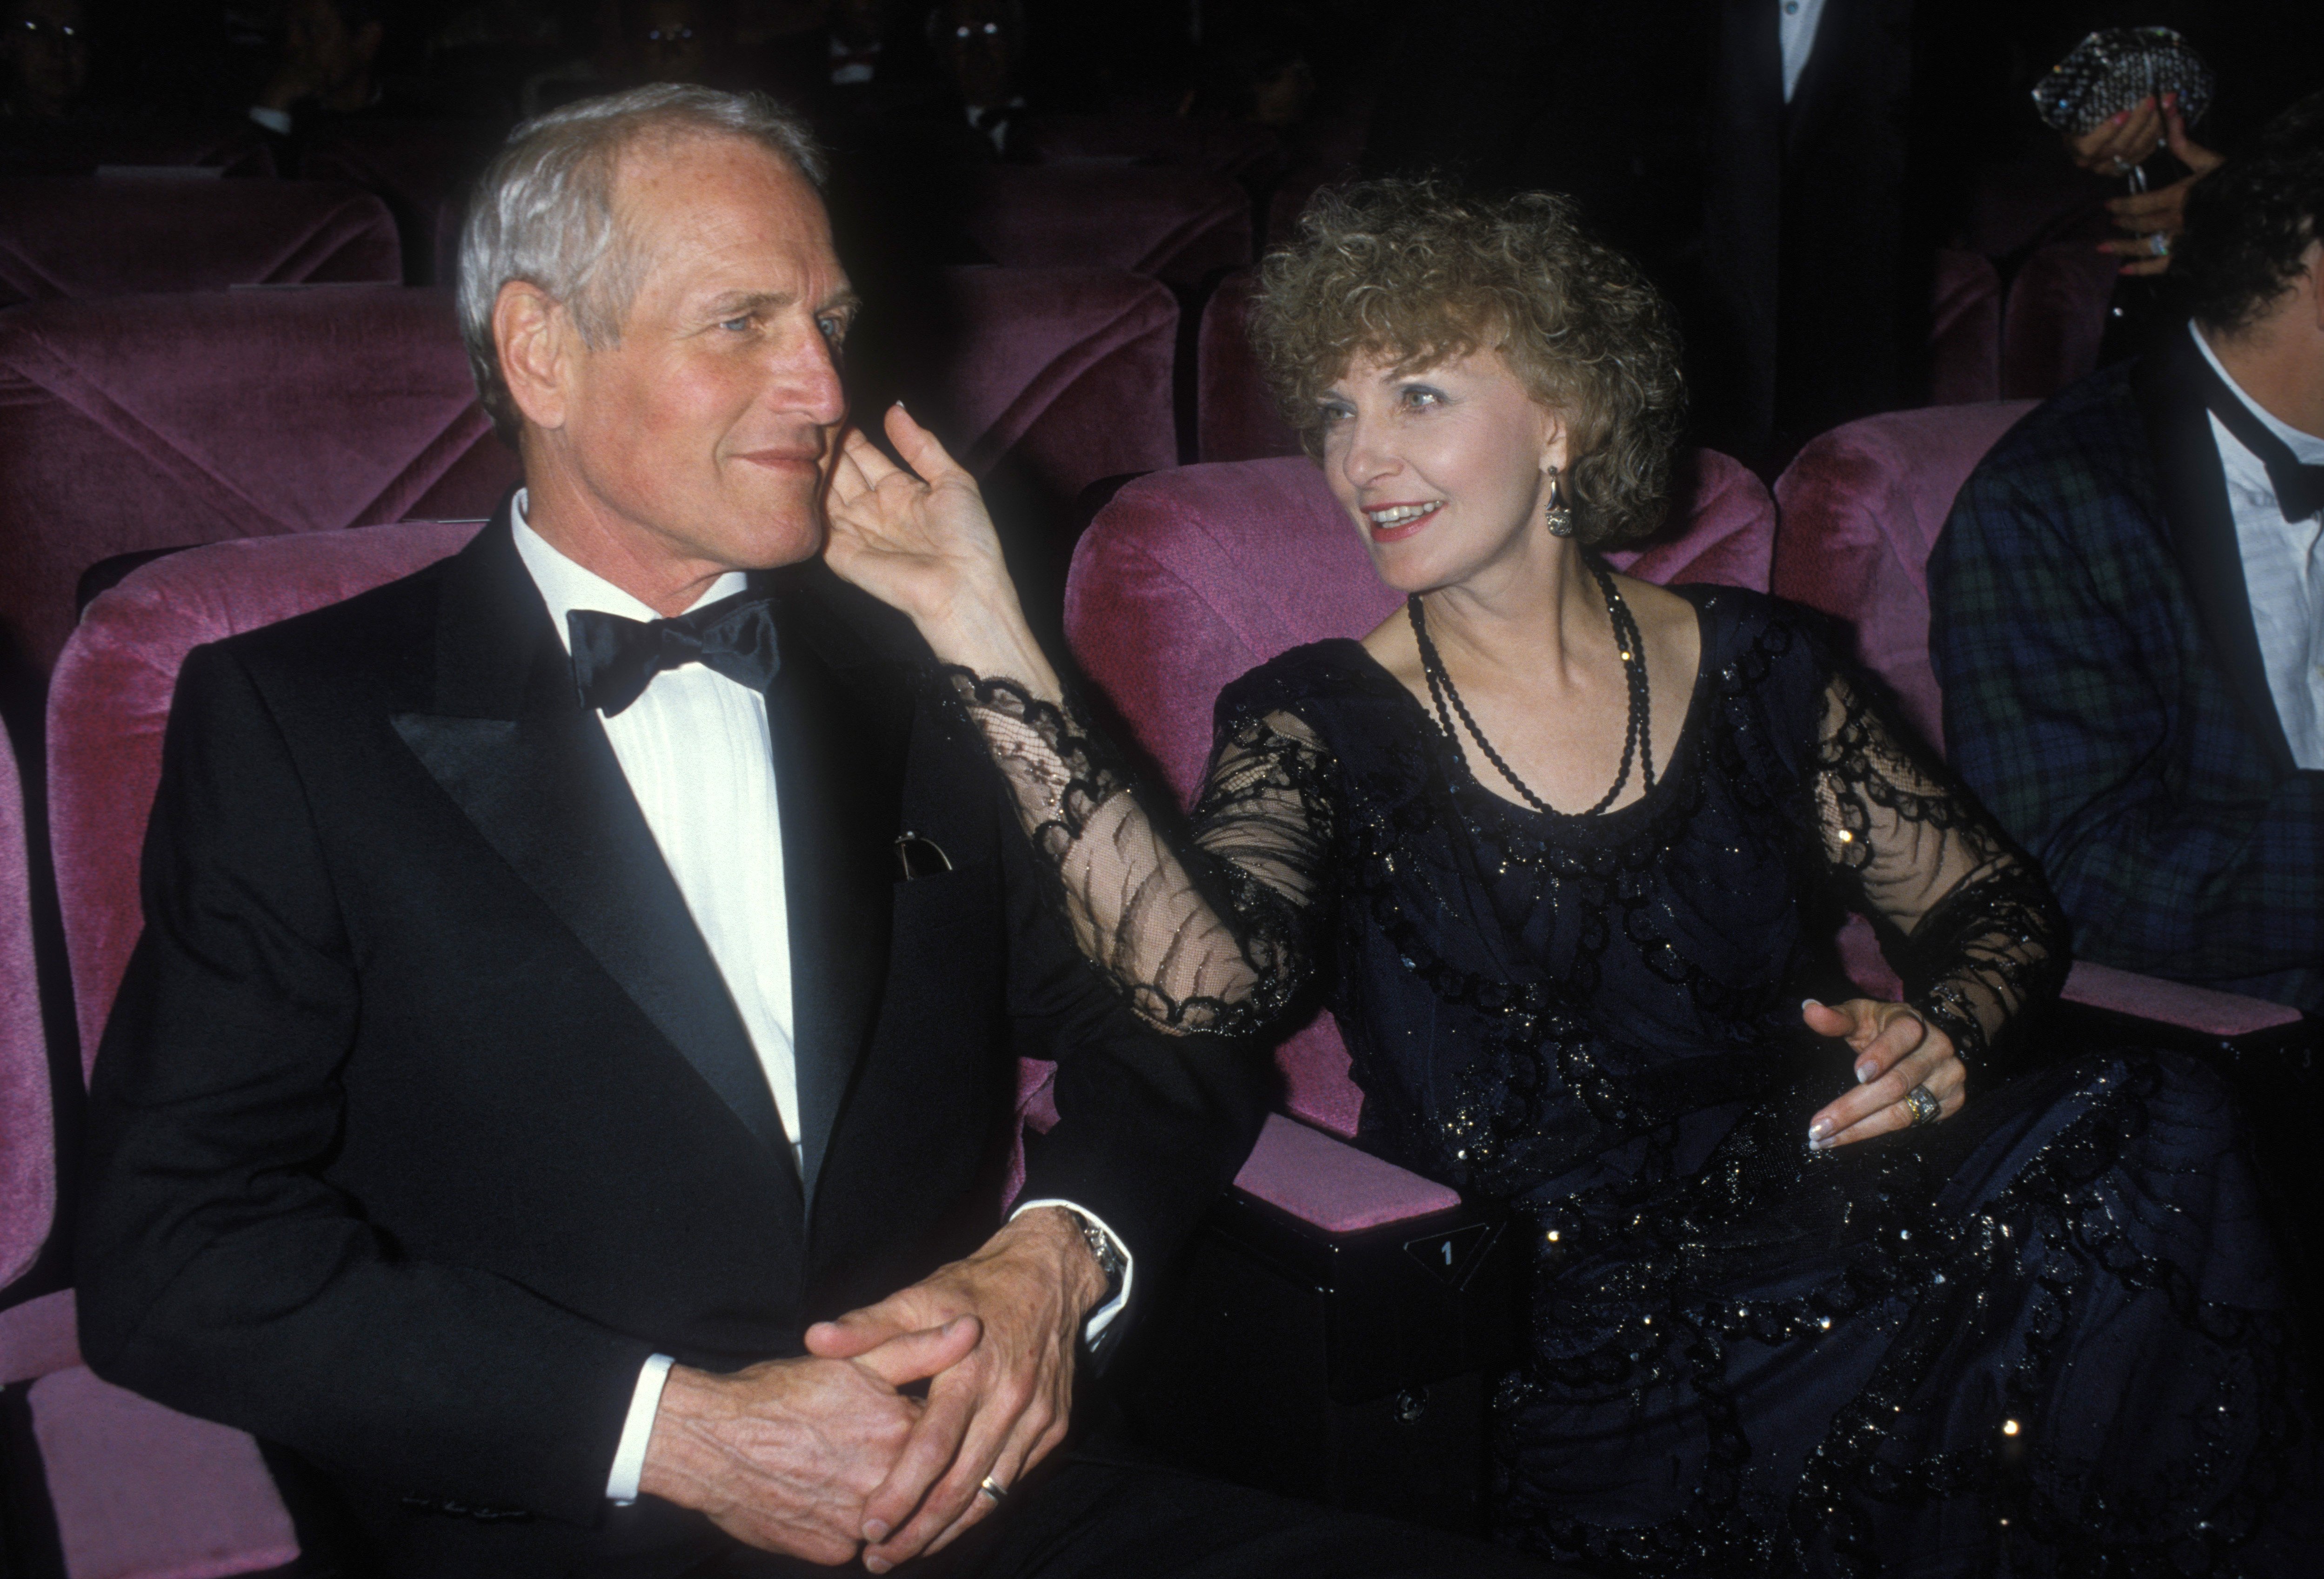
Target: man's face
(48, 40)
(706, 433)
(314, 33)
(672, 40)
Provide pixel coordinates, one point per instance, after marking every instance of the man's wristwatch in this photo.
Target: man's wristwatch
(1111, 1258)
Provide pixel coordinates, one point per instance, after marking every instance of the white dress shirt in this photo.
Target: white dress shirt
(1796, 26)
(698, 756)
(2283, 572)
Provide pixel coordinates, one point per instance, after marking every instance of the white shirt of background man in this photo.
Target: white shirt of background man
(2283, 572)
(1796, 26)
(698, 754)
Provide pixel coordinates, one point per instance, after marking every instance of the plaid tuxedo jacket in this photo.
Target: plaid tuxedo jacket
(2103, 691)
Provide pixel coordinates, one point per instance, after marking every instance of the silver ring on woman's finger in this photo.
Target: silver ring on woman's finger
(1926, 1109)
(988, 1487)
(2159, 245)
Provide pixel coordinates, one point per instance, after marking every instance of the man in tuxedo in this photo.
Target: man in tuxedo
(563, 1092)
(2127, 609)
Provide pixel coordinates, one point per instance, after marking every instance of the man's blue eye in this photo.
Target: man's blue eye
(736, 324)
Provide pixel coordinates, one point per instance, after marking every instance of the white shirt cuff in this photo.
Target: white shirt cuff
(275, 121)
(630, 1456)
(1102, 1316)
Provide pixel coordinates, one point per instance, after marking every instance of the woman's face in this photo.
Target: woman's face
(1444, 471)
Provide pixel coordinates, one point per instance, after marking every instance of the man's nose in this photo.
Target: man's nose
(807, 381)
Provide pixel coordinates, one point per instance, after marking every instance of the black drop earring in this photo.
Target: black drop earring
(1558, 514)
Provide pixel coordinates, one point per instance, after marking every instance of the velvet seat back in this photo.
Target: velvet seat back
(1182, 227)
(1238, 150)
(1235, 416)
(28, 1169)
(1191, 578)
(110, 699)
(230, 146)
(420, 168)
(1964, 330)
(2054, 319)
(118, 235)
(1861, 507)
(141, 423)
(1063, 374)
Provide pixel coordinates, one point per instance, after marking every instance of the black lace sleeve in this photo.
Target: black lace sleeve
(1213, 931)
(1982, 937)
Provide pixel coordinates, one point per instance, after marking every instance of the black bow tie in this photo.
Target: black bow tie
(615, 658)
(2298, 487)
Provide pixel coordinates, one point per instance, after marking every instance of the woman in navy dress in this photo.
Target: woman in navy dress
(1818, 1283)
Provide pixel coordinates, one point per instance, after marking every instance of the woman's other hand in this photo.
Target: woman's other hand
(1895, 1050)
(2120, 141)
(2161, 212)
(924, 544)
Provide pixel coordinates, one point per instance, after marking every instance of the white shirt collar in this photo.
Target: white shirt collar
(2307, 448)
(566, 586)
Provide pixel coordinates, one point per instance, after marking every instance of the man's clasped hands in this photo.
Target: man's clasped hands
(825, 1455)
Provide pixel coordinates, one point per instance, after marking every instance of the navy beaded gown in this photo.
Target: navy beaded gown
(2046, 1336)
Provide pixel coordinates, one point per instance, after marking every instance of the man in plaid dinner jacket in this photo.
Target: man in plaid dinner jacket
(2108, 688)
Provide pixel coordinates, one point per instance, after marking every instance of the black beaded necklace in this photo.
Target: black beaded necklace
(1635, 741)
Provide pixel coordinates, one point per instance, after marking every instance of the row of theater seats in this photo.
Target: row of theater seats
(1218, 567)
(1183, 201)
(131, 423)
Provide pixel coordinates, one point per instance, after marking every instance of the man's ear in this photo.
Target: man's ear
(535, 342)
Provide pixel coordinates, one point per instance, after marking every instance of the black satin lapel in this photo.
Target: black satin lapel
(838, 786)
(542, 785)
(2203, 530)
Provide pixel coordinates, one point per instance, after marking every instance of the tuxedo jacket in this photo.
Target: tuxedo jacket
(2105, 694)
(423, 1116)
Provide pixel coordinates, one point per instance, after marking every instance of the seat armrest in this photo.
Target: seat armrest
(2176, 1014)
(1324, 1182)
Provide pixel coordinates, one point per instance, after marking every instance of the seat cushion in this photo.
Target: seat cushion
(145, 1492)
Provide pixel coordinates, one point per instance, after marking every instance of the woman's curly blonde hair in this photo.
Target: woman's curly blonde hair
(1412, 273)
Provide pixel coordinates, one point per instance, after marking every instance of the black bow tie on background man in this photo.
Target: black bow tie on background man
(2298, 487)
(615, 658)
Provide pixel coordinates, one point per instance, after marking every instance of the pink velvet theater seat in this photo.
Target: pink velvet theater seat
(1235, 416)
(2055, 318)
(140, 1491)
(116, 236)
(1191, 578)
(28, 1163)
(1861, 506)
(1064, 374)
(110, 697)
(1181, 226)
(143, 421)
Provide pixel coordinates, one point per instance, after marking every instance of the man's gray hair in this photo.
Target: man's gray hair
(543, 211)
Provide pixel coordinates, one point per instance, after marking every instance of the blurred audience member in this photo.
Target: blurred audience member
(2128, 608)
(981, 45)
(330, 63)
(47, 52)
(671, 41)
